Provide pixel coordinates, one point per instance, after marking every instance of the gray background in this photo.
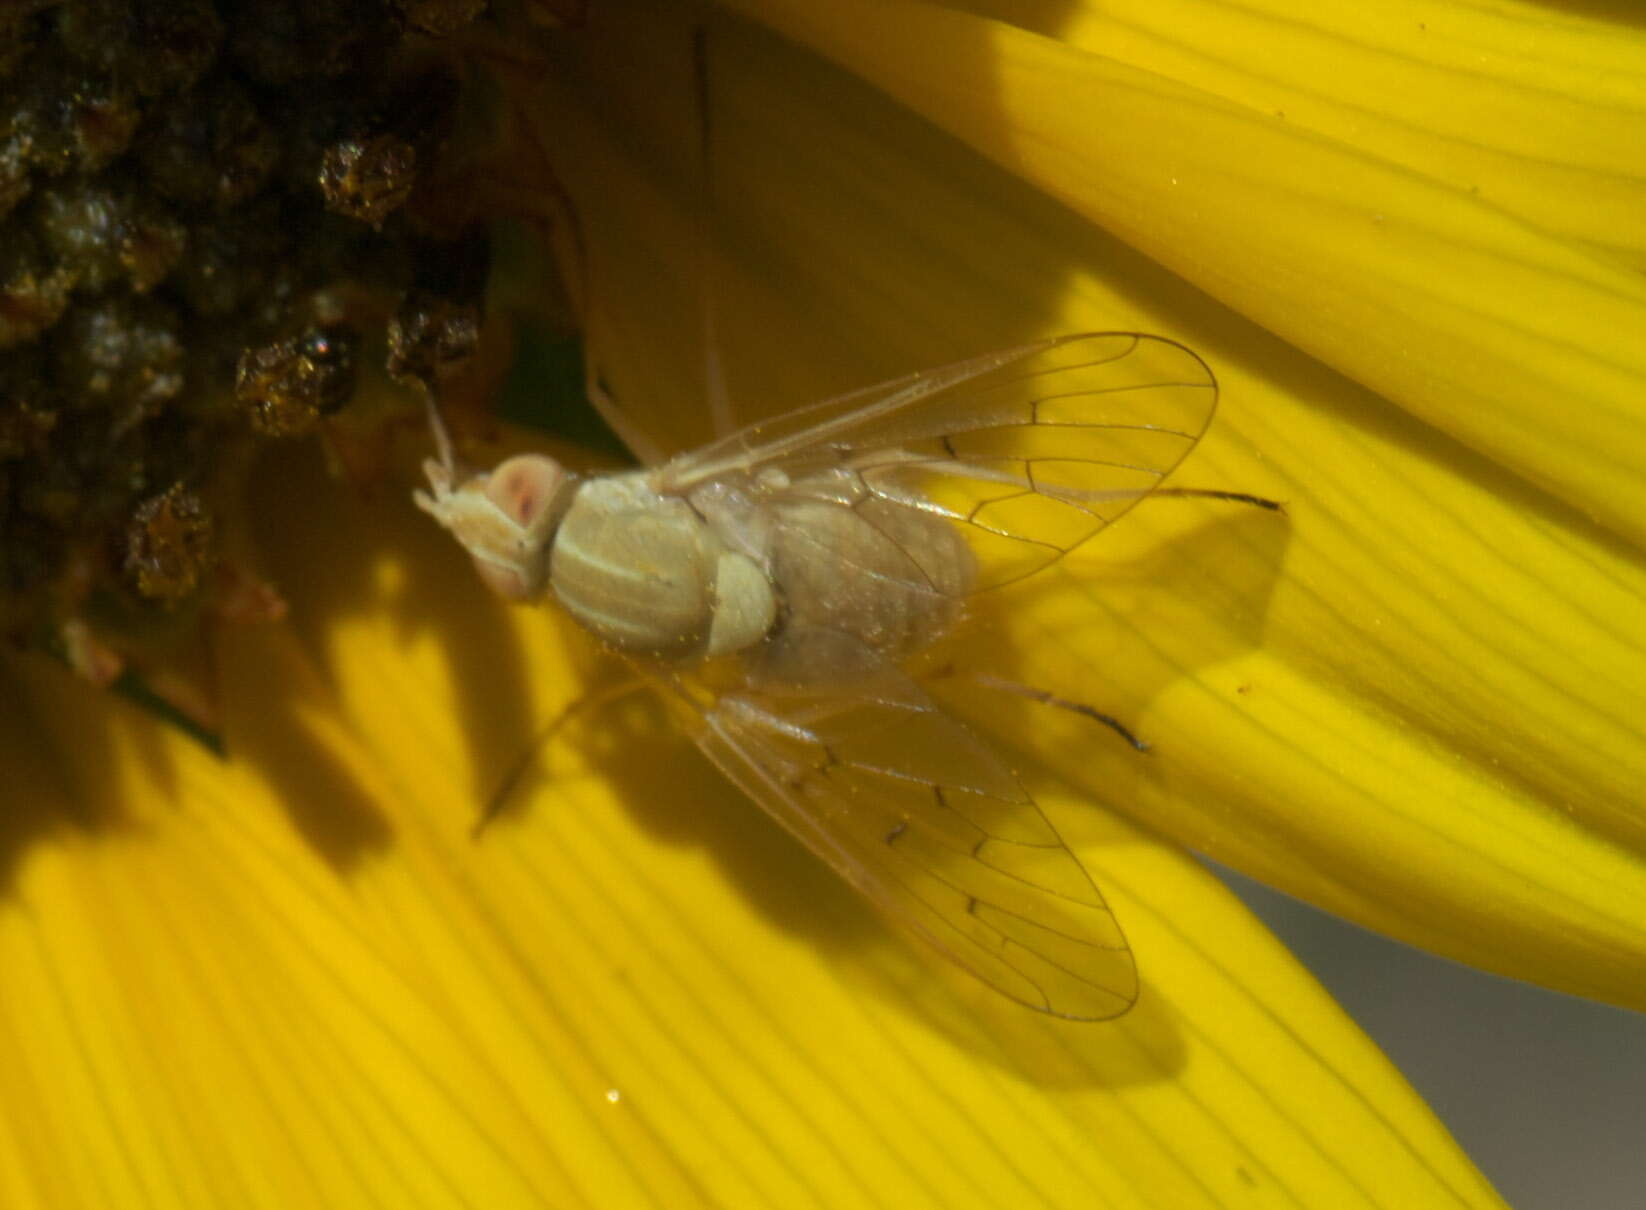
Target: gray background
(1547, 1093)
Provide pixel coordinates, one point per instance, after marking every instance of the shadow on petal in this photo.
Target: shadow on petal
(280, 719)
(74, 757)
(370, 580)
(1621, 11)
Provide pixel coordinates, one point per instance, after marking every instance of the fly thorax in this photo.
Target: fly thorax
(645, 573)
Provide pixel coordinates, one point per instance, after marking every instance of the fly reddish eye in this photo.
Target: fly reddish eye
(524, 486)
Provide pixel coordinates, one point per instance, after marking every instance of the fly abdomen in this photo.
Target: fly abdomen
(890, 578)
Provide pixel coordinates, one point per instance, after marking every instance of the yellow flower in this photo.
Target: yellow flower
(1415, 701)
(291, 978)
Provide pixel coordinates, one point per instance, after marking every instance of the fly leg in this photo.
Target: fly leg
(1045, 698)
(589, 701)
(1207, 493)
(714, 371)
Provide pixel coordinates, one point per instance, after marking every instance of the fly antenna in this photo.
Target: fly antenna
(437, 427)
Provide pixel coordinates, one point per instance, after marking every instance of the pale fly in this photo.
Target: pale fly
(777, 583)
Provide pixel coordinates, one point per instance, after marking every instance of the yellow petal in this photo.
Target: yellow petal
(294, 978)
(1536, 111)
(1505, 334)
(1411, 700)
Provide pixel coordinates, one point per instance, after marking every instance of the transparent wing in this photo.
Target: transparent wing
(914, 811)
(1030, 451)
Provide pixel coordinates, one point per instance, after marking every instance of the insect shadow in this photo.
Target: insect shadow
(1223, 569)
(363, 559)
